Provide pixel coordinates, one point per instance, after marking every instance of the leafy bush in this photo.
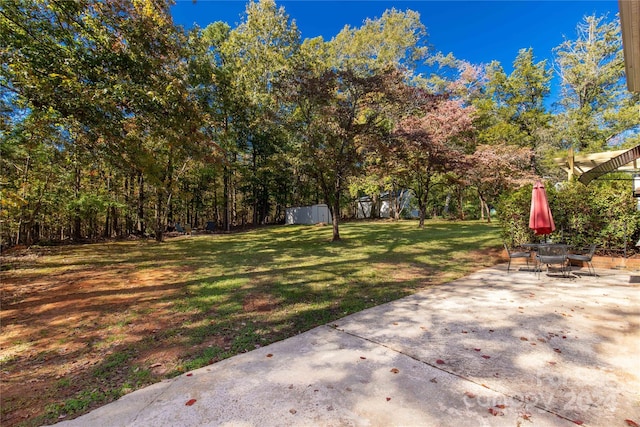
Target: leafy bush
(604, 213)
(513, 212)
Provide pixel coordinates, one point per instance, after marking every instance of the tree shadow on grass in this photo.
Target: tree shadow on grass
(78, 307)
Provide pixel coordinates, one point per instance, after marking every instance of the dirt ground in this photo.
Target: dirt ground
(58, 330)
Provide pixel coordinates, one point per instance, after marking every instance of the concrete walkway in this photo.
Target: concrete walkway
(489, 349)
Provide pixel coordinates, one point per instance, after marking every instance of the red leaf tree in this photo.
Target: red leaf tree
(429, 142)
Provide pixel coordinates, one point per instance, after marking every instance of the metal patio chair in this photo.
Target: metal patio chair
(513, 255)
(586, 258)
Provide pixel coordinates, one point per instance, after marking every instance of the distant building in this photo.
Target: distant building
(365, 205)
(314, 214)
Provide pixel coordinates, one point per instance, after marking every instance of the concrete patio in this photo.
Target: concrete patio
(493, 348)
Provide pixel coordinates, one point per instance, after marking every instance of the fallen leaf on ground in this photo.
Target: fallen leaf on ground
(484, 356)
(495, 412)
(190, 402)
(269, 355)
(557, 350)
(395, 370)
(388, 399)
(477, 349)
(189, 374)
(469, 394)
(631, 423)
(524, 339)
(293, 411)
(440, 362)
(579, 422)
(362, 357)
(155, 365)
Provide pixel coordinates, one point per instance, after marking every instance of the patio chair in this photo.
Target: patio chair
(513, 255)
(586, 258)
(551, 254)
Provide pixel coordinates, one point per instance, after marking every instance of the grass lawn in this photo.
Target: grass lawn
(84, 324)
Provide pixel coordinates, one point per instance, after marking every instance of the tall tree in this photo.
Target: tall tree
(396, 38)
(492, 169)
(594, 106)
(511, 107)
(257, 53)
(108, 78)
(426, 144)
(338, 112)
(342, 90)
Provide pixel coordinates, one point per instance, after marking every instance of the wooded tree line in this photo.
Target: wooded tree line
(117, 122)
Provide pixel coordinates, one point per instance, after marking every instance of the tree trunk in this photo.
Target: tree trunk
(336, 218)
(106, 232)
(114, 222)
(484, 207)
(141, 227)
(375, 207)
(234, 202)
(226, 223)
(396, 203)
(128, 197)
(422, 208)
(216, 210)
(77, 223)
(254, 187)
(447, 201)
(159, 229)
(423, 198)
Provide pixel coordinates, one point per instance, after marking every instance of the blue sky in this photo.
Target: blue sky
(478, 31)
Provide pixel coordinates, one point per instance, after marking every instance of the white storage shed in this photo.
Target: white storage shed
(314, 214)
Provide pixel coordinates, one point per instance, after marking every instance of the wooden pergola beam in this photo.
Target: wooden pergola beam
(579, 165)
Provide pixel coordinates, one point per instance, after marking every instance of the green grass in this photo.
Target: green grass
(243, 290)
(265, 285)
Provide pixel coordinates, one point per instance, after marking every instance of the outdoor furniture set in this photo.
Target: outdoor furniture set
(550, 254)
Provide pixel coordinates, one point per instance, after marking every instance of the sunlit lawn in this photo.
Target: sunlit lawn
(217, 295)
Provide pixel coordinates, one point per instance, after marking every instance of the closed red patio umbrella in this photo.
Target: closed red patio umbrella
(540, 219)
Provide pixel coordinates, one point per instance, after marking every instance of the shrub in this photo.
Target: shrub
(604, 213)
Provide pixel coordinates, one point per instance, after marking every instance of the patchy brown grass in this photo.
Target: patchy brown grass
(62, 325)
(82, 325)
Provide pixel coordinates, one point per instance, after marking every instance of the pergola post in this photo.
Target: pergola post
(570, 161)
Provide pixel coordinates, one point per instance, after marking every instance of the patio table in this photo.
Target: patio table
(556, 254)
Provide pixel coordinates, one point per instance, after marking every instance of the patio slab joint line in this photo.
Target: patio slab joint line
(462, 377)
(170, 382)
